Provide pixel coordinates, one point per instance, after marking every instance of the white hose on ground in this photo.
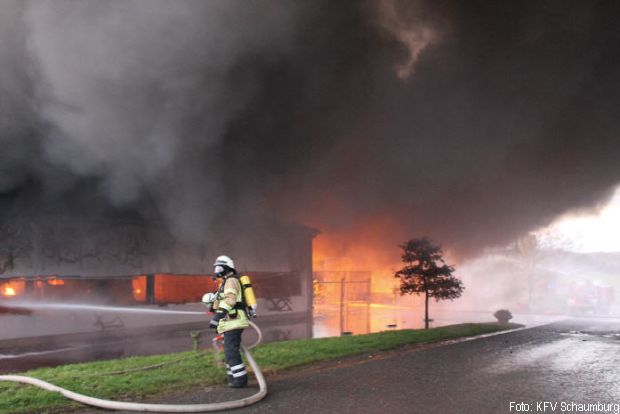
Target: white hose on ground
(169, 408)
(258, 332)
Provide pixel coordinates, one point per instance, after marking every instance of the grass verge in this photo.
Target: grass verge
(190, 369)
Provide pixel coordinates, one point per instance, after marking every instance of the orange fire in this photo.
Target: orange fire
(12, 288)
(139, 288)
(169, 288)
(56, 282)
(355, 289)
(370, 247)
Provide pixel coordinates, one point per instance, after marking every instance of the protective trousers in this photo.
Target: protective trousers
(237, 375)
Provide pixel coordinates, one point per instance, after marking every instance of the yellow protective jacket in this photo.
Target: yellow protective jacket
(230, 298)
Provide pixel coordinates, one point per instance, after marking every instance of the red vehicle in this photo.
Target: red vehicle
(590, 298)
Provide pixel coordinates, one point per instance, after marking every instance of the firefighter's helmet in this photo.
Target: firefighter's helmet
(223, 265)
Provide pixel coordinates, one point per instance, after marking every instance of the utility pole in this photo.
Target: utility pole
(368, 299)
(341, 306)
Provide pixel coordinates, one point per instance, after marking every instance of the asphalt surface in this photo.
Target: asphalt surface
(569, 362)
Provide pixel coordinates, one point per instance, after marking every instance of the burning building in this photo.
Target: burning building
(183, 114)
(116, 262)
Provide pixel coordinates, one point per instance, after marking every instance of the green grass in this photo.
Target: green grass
(190, 369)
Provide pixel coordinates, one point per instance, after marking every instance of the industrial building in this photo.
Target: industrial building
(116, 263)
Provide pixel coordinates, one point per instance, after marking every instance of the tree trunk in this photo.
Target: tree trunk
(426, 310)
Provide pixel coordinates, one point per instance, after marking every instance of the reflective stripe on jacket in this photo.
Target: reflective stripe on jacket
(231, 300)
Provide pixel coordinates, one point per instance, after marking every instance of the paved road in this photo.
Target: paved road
(572, 361)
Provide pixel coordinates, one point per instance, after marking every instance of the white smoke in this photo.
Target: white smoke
(402, 21)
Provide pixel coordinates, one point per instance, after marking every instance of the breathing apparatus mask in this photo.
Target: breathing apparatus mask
(220, 271)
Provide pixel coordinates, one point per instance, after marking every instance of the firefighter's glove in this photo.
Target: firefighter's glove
(215, 321)
(209, 298)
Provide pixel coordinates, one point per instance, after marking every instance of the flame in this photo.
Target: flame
(369, 251)
(370, 247)
(139, 288)
(12, 288)
(56, 282)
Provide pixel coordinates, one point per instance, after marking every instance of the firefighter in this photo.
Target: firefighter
(230, 318)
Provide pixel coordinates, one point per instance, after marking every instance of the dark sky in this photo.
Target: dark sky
(472, 122)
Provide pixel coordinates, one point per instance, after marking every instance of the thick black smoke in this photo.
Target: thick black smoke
(472, 122)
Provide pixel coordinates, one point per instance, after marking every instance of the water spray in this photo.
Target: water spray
(27, 308)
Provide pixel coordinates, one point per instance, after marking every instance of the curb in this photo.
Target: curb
(487, 335)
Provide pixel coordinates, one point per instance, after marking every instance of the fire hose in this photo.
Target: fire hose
(169, 408)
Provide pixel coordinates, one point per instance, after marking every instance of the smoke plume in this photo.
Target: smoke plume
(499, 116)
